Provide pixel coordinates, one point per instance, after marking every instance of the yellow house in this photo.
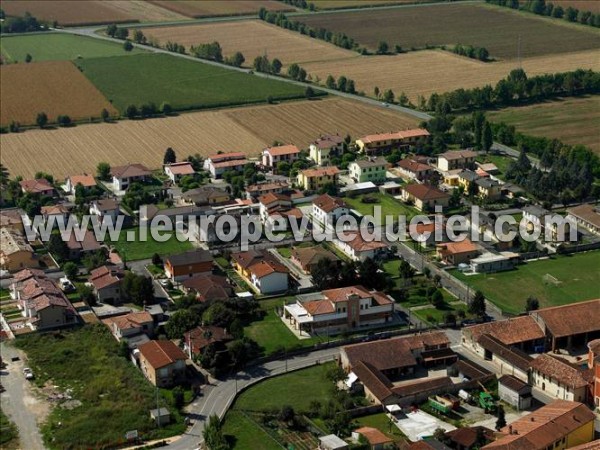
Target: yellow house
(466, 177)
(488, 188)
(15, 252)
(242, 261)
(322, 149)
(559, 425)
(313, 179)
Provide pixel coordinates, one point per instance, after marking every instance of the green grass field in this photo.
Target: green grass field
(572, 120)
(578, 276)
(382, 423)
(389, 206)
(501, 162)
(58, 46)
(435, 316)
(115, 396)
(243, 433)
(183, 83)
(135, 250)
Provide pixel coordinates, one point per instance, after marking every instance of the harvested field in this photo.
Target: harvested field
(428, 71)
(90, 12)
(253, 38)
(209, 8)
(58, 46)
(572, 120)
(496, 29)
(338, 4)
(184, 83)
(74, 150)
(53, 87)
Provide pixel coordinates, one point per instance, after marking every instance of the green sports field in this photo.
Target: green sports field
(185, 84)
(577, 277)
(58, 46)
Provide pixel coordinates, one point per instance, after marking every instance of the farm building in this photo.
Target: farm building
(587, 215)
(514, 391)
(522, 332)
(557, 378)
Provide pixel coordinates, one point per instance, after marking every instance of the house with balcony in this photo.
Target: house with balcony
(327, 210)
(371, 169)
(325, 147)
(356, 247)
(374, 144)
(314, 179)
(220, 163)
(282, 153)
(162, 363)
(176, 171)
(424, 197)
(87, 182)
(337, 310)
(456, 159)
(413, 170)
(124, 176)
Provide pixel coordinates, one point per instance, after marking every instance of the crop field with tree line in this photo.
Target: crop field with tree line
(81, 148)
(496, 29)
(208, 8)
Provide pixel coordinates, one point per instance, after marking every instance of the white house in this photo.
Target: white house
(223, 162)
(557, 378)
(123, 176)
(107, 207)
(178, 170)
(269, 277)
(86, 181)
(326, 146)
(327, 210)
(282, 153)
(359, 249)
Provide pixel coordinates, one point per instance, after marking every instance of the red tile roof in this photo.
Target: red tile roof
(560, 370)
(263, 268)
(399, 135)
(457, 248)
(568, 320)
(161, 353)
(330, 171)
(37, 186)
(383, 355)
(84, 180)
(181, 168)
(510, 331)
(129, 321)
(458, 154)
(359, 244)
(218, 157)
(130, 170)
(373, 435)
(413, 166)
(289, 149)
(425, 192)
(328, 141)
(328, 203)
(201, 337)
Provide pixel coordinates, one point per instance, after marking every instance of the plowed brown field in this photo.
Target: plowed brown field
(207, 8)
(74, 150)
(53, 87)
(252, 38)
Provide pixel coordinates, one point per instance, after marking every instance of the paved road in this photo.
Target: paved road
(220, 395)
(18, 400)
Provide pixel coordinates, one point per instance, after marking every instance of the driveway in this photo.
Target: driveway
(20, 402)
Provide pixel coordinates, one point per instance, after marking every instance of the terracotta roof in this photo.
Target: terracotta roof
(359, 244)
(266, 187)
(513, 383)
(560, 370)
(383, 355)
(279, 150)
(84, 180)
(11, 217)
(456, 248)
(105, 276)
(54, 209)
(161, 353)
(594, 346)
(513, 355)
(316, 307)
(425, 192)
(181, 168)
(399, 135)
(271, 197)
(129, 321)
(294, 212)
(201, 337)
(87, 244)
(568, 320)
(107, 204)
(320, 172)
(190, 257)
(467, 436)
(34, 287)
(218, 157)
(267, 267)
(470, 370)
(47, 300)
(25, 274)
(342, 294)
(543, 427)
(413, 166)
(328, 141)
(312, 255)
(209, 286)
(427, 385)
(594, 445)
(376, 382)
(246, 259)
(458, 154)
(328, 203)
(130, 170)
(510, 331)
(373, 435)
(422, 228)
(427, 340)
(36, 186)
(429, 444)
(588, 213)
(232, 163)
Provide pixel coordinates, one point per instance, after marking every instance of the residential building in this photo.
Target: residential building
(558, 425)
(489, 168)
(375, 438)
(224, 162)
(56, 215)
(459, 252)
(466, 177)
(424, 196)
(86, 181)
(39, 186)
(205, 195)
(594, 367)
(336, 310)
(135, 327)
(15, 251)
(508, 360)
(557, 378)
(314, 179)
(379, 143)
(488, 189)
(426, 235)
(325, 147)
(371, 169)
(195, 341)
(327, 210)
(107, 207)
(306, 258)
(586, 215)
(569, 325)
(273, 203)
(282, 153)
(12, 218)
(456, 159)
(428, 444)
(468, 438)
(522, 332)
(187, 264)
(106, 282)
(515, 392)
(176, 171)
(269, 277)
(77, 248)
(123, 176)
(413, 170)
(208, 286)
(254, 191)
(185, 213)
(162, 362)
(356, 247)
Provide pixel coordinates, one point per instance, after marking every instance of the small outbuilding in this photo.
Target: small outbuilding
(332, 442)
(515, 392)
(161, 416)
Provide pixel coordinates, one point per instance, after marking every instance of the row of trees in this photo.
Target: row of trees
(263, 64)
(469, 51)
(342, 84)
(24, 24)
(303, 4)
(543, 8)
(281, 20)
(211, 51)
(517, 88)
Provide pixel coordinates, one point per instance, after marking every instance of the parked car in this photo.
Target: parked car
(28, 373)
(66, 285)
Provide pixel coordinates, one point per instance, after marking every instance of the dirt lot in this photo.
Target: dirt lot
(252, 38)
(207, 8)
(74, 150)
(497, 29)
(428, 71)
(53, 87)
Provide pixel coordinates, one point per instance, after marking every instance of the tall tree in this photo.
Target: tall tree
(532, 304)
(103, 171)
(170, 156)
(477, 305)
(478, 123)
(501, 421)
(488, 138)
(41, 120)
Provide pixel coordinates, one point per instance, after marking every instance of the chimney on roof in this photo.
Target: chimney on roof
(510, 429)
(532, 419)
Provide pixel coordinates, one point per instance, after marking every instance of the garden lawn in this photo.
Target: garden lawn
(58, 46)
(115, 396)
(578, 276)
(296, 389)
(136, 249)
(271, 333)
(185, 84)
(437, 315)
(502, 162)
(243, 433)
(382, 423)
(389, 206)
